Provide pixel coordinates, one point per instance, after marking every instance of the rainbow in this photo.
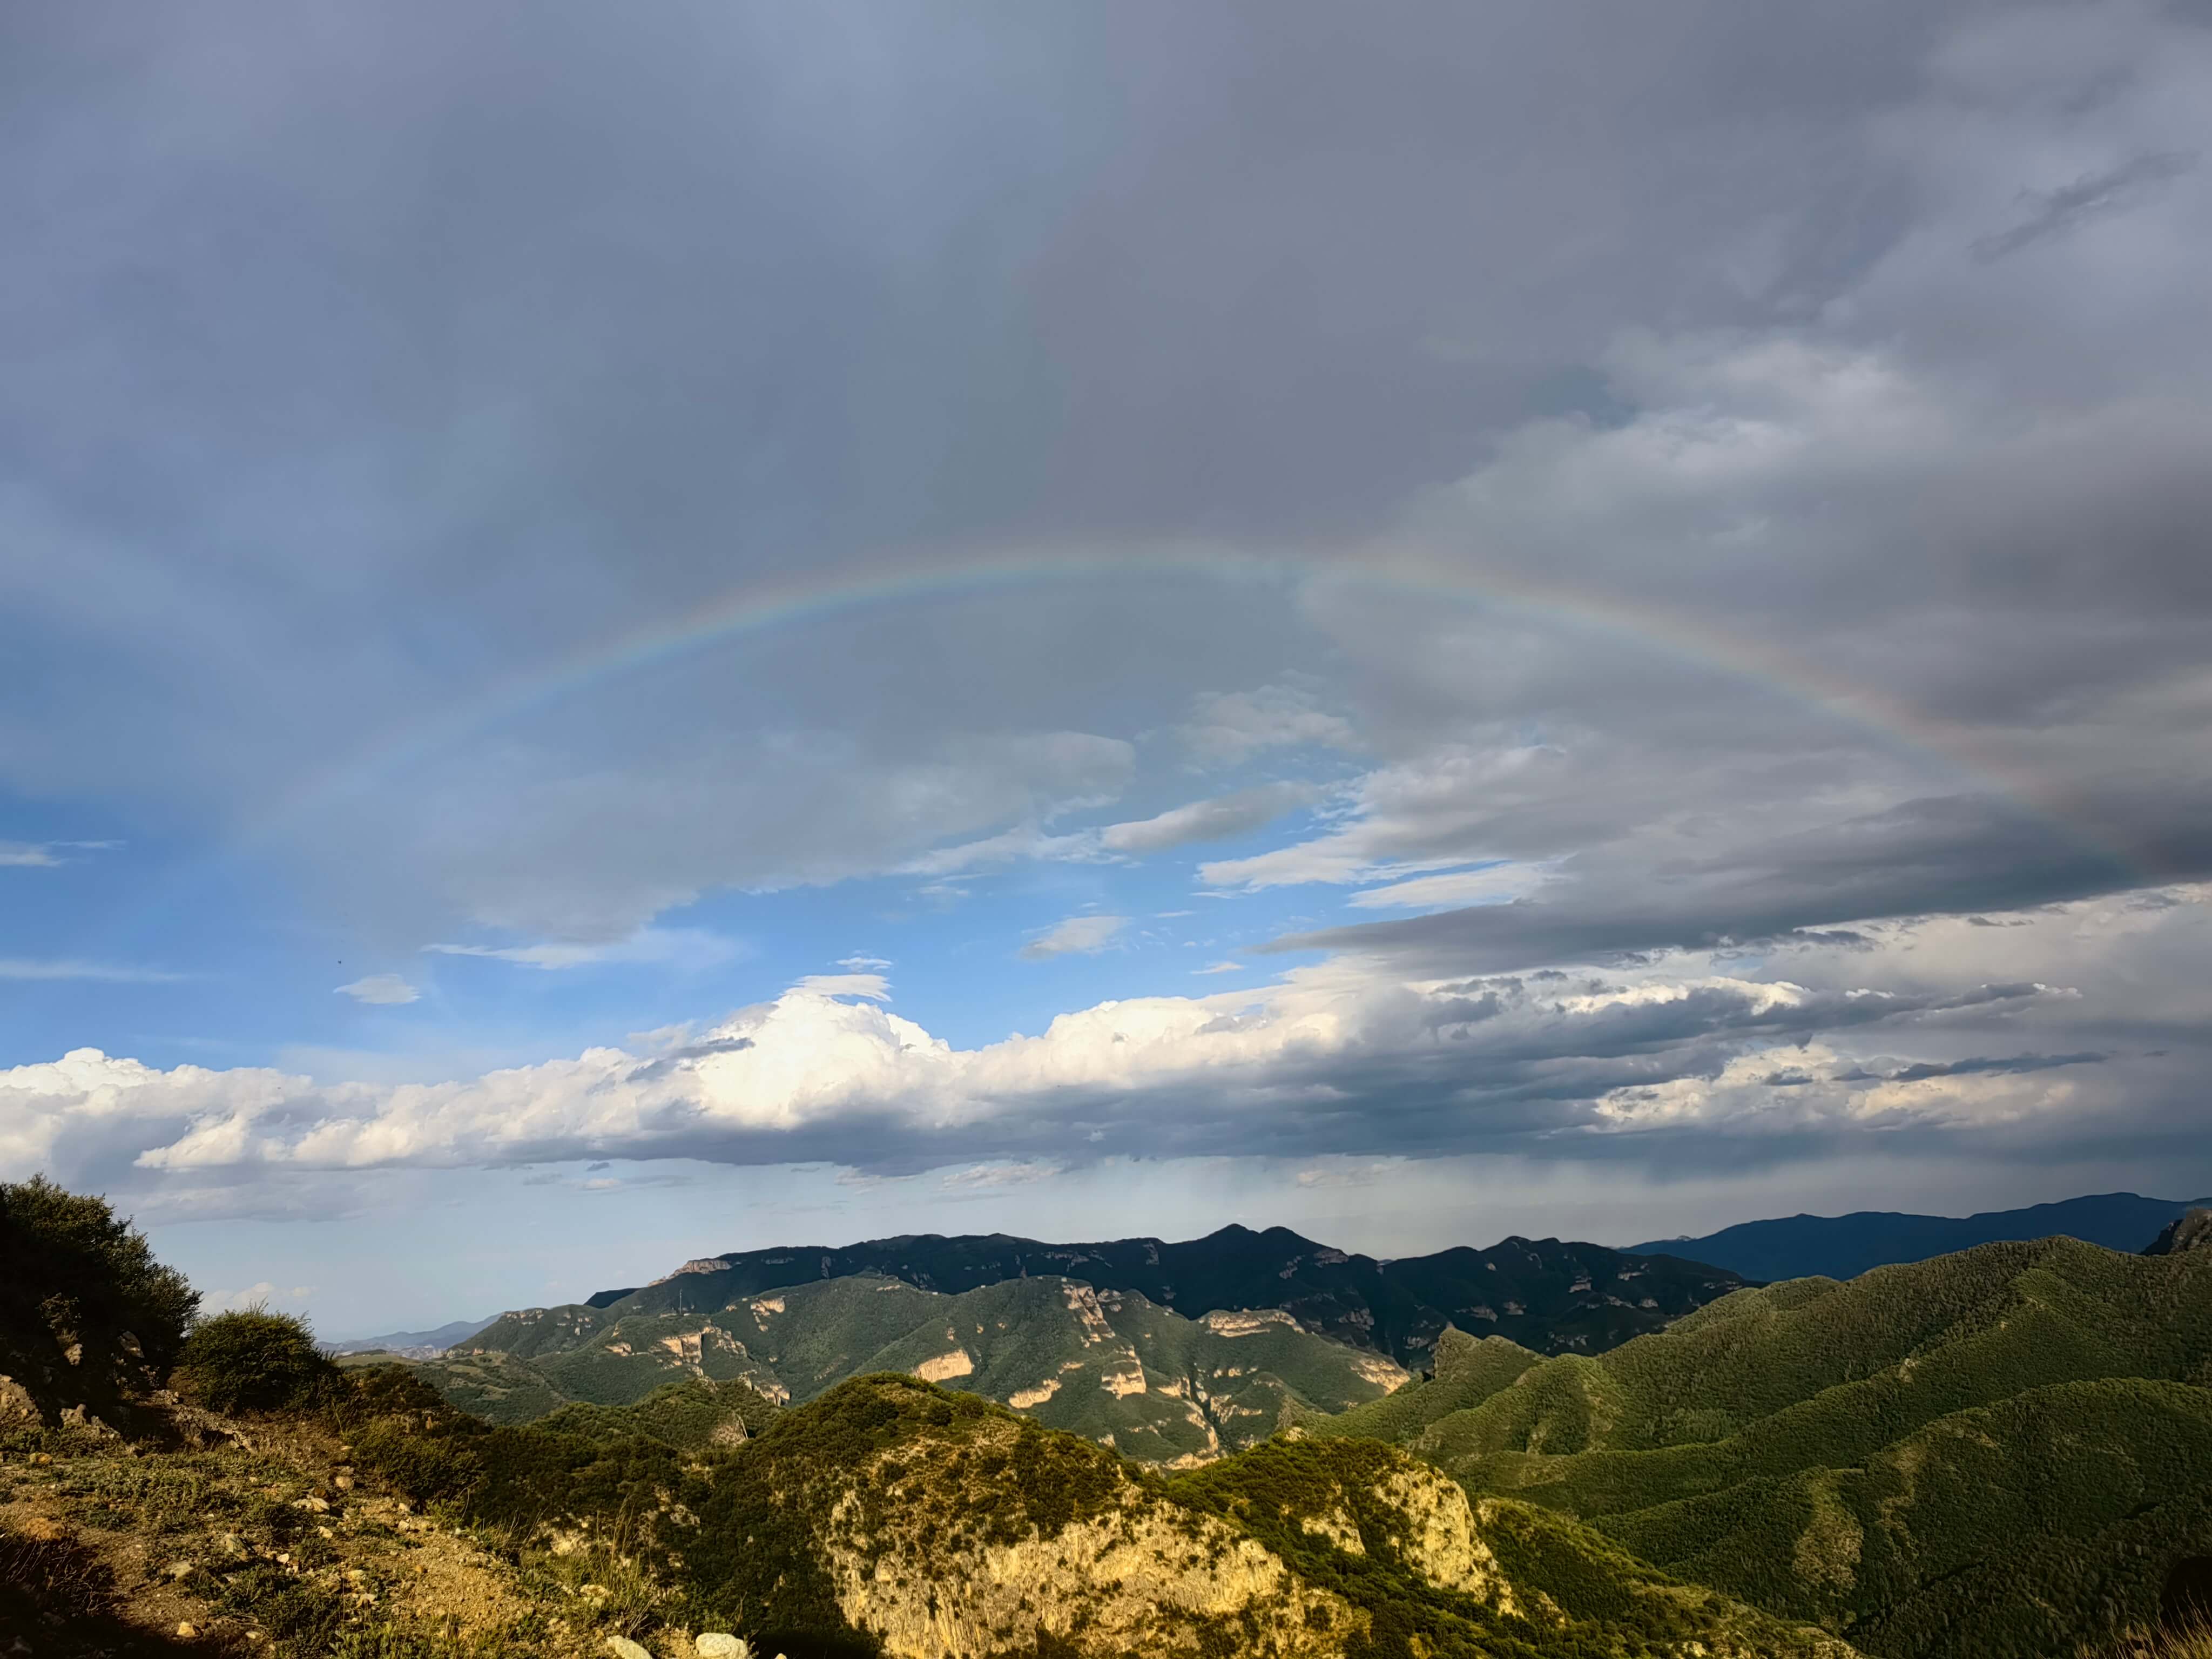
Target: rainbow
(756, 609)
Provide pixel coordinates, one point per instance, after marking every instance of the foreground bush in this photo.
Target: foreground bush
(256, 1361)
(86, 1313)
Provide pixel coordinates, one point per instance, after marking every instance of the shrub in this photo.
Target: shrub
(84, 1307)
(254, 1360)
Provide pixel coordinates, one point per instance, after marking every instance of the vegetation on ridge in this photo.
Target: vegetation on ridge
(2003, 1451)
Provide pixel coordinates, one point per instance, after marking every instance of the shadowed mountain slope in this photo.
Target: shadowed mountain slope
(1551, 1297)
(1845, 1246)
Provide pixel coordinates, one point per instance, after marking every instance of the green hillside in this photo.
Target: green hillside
(1108, 1365)
(1975, 1455)
(1552, 1296)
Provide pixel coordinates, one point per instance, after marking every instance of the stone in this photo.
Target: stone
(186, 1629)
(76, 1417)
(622, 1648)
(16, 1400)
(719, 1644)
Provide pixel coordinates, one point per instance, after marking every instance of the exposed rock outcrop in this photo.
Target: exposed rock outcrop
(2191, 1232)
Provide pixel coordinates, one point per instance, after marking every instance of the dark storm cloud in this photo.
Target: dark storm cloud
(1928, 856)
(365, 356)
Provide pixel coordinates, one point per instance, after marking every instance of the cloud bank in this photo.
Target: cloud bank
(1895, 1033)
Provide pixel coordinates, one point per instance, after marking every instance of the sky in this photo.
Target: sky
(632, 631)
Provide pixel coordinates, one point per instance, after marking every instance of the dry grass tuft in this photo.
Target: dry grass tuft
(2194, 1642)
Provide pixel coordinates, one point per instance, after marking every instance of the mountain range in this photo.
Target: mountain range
(1264, 1327)
(1545, 1294)
(1845, 1246)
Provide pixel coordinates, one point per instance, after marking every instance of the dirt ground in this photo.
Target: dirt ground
(262, 1539)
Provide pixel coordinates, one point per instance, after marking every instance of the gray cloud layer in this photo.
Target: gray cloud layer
(1740, 471)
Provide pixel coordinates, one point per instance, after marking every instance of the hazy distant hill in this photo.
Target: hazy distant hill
(2004, 1451)
(413, 1345)
(1552, 1296)
(1106, 1364)
(1845, 1246)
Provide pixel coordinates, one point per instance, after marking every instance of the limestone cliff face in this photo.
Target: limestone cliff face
(1441, 1543)
(1133, 1574)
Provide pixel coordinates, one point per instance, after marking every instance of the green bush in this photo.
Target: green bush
(255, 1360)
(85, 1311)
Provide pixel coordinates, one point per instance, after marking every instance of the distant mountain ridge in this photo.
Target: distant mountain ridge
(413, 1345)
(1545, 1294)
(1845, 1246)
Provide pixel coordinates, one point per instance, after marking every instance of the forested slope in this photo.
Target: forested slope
(2001, 1449)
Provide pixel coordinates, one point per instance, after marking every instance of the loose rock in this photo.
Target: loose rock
(719, 1644)
(622, 1648)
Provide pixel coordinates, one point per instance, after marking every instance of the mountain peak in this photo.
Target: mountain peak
(2192, 1232)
